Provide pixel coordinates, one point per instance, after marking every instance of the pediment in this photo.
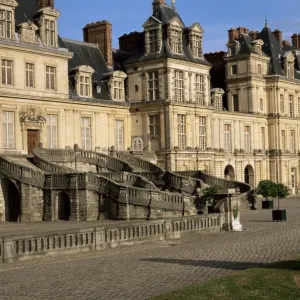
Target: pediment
(196, 27)
(119, 74)
(288, 56)
(152, 21)
(85, 69)
(28, 25)
(49, 11)
(12, 3)
(176, 22)
(27, 32)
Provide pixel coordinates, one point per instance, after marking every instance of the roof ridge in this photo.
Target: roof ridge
(79, 42)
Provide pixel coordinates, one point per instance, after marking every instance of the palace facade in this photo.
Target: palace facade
(158, 93)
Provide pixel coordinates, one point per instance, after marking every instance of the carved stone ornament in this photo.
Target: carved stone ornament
(28, 32)
(12, 3)
(32, 115)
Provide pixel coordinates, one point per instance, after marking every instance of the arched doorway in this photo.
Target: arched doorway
(249, 175)
(64, 209)
(229, 173)
(12, 200)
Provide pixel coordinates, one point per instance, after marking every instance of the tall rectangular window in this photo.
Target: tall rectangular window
(154, 124)
(196, 46)
(119, 90)
(8, 130)
(7, 72)
(119, 135)
(153, 41)
(50, 33)
(283, 140)
(29, 75)
(181, 126)
(281, 104)
(52, 131)
(199, 89)
(50, 78)
(153, 86)
(235, 99)
(85, 86)
(175, 41)
(179, 86)
(233, 69)
(292, 142)
(218, 103)
(202, 133)
(227, 142)
(5, 24)
(291, 103)
(86, 133)
(247, 135)
(263, 138)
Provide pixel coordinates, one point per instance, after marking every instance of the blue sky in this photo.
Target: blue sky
(216, 17)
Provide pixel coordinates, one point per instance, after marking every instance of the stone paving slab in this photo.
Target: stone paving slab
(142, 271)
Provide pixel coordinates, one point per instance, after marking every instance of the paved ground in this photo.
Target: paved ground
(143, 271)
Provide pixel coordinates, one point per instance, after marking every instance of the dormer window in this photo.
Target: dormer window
(289, 65)
(195, 40)
(50, 33)
(85, 86)
(153, 40)
(175, 41)
(5, 24)
(233, 48)
(153, 35)
(117, 85)
(257, 46)
(83, 81)
(217, 96)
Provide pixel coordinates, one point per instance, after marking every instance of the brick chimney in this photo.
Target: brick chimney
(254, 34)
(128, 42)
(243, 30)
(156, 4)
(296, 40)
(233, 34)
(278, 36)
(286, 43)
(46, 3)
(100, 33)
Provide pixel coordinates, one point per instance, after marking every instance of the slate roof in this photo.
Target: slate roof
(164, 13)
(26, 10)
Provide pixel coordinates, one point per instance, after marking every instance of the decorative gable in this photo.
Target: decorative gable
(11, 3)
(196, 28)
(28, 32)
(49, 11)
(176, 22)
(152, 21)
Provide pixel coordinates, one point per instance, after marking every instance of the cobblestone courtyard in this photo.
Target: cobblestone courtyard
(143, 271)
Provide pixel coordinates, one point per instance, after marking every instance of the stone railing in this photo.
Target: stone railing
(75, 240)
(21, 173)
(138, 162)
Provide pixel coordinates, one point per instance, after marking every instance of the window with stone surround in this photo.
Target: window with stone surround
(281, 104)
(202, 133)
(7, 72)
(291, 105)
(247, 135)
(86, 133)
(8, 130)
(227, 136)
(179, 86)
(50, 78)
(119, 135)
(153, 43)
(235, 99)
(199, 89)
(196, 45)
(176, 41)
(30, 75)
(181, 127)
(6, 24)
(154, 124)
(137, 144)
(263, 139)
(290, 70)
(218, 103)
(50, 33)
(282, 137)
(153, 86)
(52, 131)
(118, 90)
(292, 142)
(233, 69)
(85, 89)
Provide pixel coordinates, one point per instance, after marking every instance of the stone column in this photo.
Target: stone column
(161, 84)
(111, 130)
(190, 86)
(145, 78)
(162, 129)
(209, 132)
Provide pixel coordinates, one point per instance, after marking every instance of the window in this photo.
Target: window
(291, 103)
(292, 142)
(227, 132)
(218, 103)
(5, 24)
(153, 41)
(261, 102)
(283, 140)
(50, 33)
(119, 135)
(7, 72)
(290, 70)
(181, 125)
(263, 138)
(29, 75)
(118, 90)
(199, 87)
(153, 86)
(178, 85)
(259, 69)
(196, 46)
(233, 69)
(8, 130)
(281, 104)
(176, 41)
(50, 78)
(52, 131)
(247, 134)
(154, 124)
(86, 133)
(137, 144)
(85, 86)
(235, 99)
(202, 133)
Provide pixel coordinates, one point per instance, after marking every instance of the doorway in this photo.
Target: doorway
(229, 173)
(249, 175)
(64, 208)
(33, 139)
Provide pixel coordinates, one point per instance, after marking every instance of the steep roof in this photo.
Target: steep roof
(26, 10)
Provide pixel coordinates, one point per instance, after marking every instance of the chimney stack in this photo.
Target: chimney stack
(286, 43)
(46, 3)
(100, 33)
(254, 34)
(156, 4)
(233, 34)
(296, 40)
(278, 36)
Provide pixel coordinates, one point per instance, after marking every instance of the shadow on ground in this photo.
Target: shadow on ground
(228, 265)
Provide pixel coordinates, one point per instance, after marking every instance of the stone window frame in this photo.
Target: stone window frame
(29, 74)
(5, 80)
(153, 26)
(227, 138)
(8, 140)
(233, 48)
(52, 131)
(233, 69)
(83, 81)
(50, 77)
(263, 138)
(283, 140)
(195, 40)
(247, 138)
(289, 60)
(202, 133)
(9, 7)
(281, 103)
(200, 89)
(120, 138)
(154, 124)
(293, 141)
(116, 85)
(86, 132)
(175, 37)
(181, 131)
(218, 103)
(291, 106)
(179, 86)
(153, 85)
(235, 102)
(137, 144)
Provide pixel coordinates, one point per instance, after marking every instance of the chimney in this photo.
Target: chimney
(100, 33)
(156, 4)
(254, 34)
(286, 43)
(233, 34)
(243, 30)
(296, 40)
(46, 3)
(278, 36)
(128, 42)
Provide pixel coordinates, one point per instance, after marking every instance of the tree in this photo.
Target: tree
(208, 194)
(280, 191)
(266, 188)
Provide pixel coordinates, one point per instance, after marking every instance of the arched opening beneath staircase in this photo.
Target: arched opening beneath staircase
(249, 175)
(229, 173)
(64, 207)
(12, 200)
